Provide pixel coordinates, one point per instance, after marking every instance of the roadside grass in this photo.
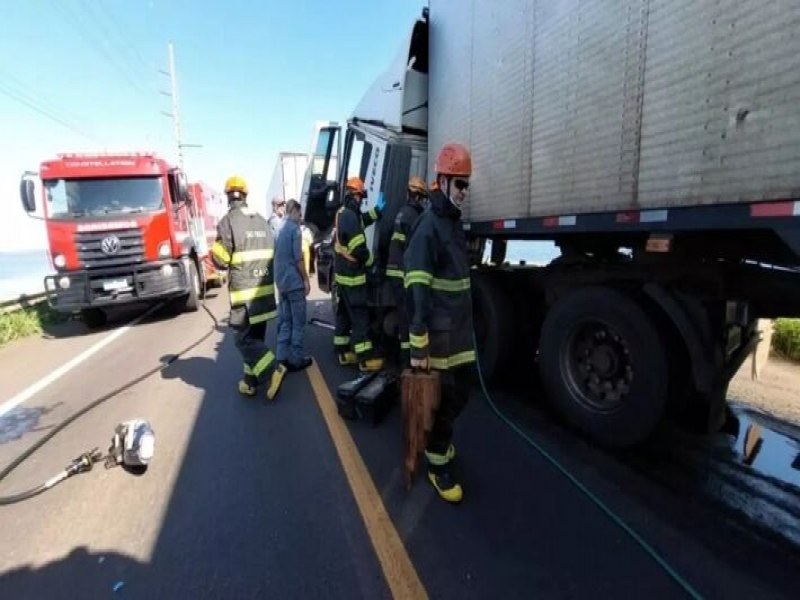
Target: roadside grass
(26, 321)
(786, 338)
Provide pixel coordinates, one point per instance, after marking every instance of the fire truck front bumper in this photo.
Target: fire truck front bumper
(74, 290)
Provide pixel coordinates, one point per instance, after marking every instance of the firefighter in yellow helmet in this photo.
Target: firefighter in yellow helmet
(416, 201)
(245, 246)
(352, 259)
(437, 280)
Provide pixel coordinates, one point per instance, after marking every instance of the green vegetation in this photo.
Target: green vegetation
(27, 321)
(786, 338)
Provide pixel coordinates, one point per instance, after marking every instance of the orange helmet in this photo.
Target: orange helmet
(454, 160)
(354, 184)
(417, 185)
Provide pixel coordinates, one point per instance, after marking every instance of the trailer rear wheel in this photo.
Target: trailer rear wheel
(603, 366)
(492, 317)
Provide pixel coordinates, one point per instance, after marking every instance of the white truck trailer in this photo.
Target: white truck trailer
(656, 142)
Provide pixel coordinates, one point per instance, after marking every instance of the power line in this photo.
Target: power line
(39, 98)
(133, 50)
(7, 92)
(96, 42)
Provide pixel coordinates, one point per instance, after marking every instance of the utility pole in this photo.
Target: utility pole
(175, 114)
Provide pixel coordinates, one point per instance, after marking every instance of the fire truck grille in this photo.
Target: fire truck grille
(103, 249)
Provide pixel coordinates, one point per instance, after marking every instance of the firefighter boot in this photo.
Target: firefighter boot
(370, 365)
(275, 381)
(442, 476)
(347, 359)
(246, 389)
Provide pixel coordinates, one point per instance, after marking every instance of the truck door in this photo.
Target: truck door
(322, 195)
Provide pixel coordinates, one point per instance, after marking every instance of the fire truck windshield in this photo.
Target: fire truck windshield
(76, 198)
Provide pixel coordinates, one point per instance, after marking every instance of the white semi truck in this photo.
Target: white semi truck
(287, 177)
(656, 142)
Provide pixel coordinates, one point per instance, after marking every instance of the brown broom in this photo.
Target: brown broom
(420, 398)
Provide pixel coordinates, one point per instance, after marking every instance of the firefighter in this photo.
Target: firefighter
(416, 200)
(353, 258)
(245, 246)
(437, 281)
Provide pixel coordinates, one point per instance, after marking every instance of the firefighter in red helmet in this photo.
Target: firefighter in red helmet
(352, 259)
(437, 281)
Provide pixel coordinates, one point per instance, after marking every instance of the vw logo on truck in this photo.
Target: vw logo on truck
(110, 245)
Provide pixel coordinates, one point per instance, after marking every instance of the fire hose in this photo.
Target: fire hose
(591, 496)
(132, 445)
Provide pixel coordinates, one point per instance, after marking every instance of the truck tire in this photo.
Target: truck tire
(191, 301)
(493, 323)
(94, 318)
(603, 366)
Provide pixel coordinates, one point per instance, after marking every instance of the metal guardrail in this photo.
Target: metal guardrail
(23, 301)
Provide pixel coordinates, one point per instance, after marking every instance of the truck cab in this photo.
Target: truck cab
(384, 143)
(121, 228)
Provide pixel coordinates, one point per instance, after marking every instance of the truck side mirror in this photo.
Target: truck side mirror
(26, 194)
(183, 188)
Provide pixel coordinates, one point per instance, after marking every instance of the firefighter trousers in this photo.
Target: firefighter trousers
(399, 293)
(352, 322)
(456, 385)
(259, 361)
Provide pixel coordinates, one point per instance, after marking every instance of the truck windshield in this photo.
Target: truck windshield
(75, 198)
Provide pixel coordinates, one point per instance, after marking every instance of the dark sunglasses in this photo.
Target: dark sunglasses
(461, 184)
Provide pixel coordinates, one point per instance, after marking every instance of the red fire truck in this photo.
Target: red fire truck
(122, 228)
(211, 207)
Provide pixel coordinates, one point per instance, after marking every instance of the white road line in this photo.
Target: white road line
(37, 387)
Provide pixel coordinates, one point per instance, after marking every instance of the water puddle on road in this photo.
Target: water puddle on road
(21, 420)
(766, 450)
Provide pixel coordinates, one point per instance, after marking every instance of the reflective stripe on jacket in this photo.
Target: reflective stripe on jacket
(437, 281)
(403, 222)
(352, 257)
(245, 245)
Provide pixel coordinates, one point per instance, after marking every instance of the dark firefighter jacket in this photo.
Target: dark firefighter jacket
(353, 257)
(245, 245)
(438, 287)
(403, 222)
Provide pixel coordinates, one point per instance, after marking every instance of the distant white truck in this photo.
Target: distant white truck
(287, 177)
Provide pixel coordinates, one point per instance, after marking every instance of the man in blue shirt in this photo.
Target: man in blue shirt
(293, 286)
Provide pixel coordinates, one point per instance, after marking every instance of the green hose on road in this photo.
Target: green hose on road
(604, 508)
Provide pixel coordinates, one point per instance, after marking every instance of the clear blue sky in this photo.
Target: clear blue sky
(253, 77)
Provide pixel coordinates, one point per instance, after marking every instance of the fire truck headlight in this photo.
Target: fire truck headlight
(64, 283)
(164, 250)
(166, 270)
(59, 261)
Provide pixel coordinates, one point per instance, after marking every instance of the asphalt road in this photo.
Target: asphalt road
(252, 500)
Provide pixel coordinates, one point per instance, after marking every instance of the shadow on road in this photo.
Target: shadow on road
(79, 574)
(198, 371)
(57, 326)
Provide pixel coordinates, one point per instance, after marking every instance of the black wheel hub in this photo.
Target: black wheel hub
(597, 366)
